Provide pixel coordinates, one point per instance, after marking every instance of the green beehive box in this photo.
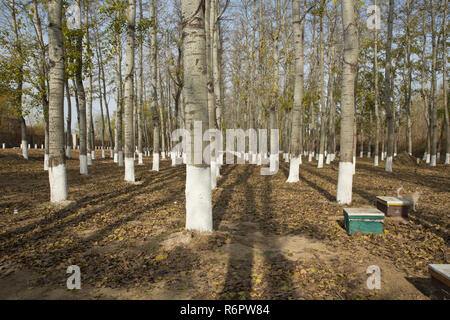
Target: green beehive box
(364, 220)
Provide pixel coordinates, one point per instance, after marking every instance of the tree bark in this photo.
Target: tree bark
(198, 174)
(129, 93)
(81, 97)
(388, 89)
(296, 148)
(351, 50)
(434, 127)
(57, 168)
(445, 84)
(154, 80)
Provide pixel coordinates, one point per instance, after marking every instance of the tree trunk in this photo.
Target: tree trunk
(409, 79)
(81, 98)
(198, 174)
(140, 86)
(444, 75)
(345, 178)
(323, 109)
(88, 63)
(68, 120)
(118, 152)
(296, 148)
(129, 92)
(57, 168)
(388, 89)
(434, 127)
(377, 111)
(154, 80)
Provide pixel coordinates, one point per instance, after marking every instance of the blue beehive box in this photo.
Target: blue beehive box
(364, 220)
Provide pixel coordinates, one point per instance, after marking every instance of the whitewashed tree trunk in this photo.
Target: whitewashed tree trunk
(128, 94)
(154, 89)
(322, 88)
(81, 98)
(345, 177)
(198, 176)
(297, 111)
(388, 89)
(434, 125)
(57, 169)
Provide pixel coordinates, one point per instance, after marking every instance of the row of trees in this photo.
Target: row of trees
(320, 71)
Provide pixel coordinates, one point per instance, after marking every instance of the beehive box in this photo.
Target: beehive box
(393, 206)
(440, 272)
(364, 220)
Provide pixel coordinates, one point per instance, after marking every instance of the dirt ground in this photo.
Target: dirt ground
(273, 240)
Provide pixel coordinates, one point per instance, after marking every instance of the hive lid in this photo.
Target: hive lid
(392, 200)
(363, 212)
(442, 269)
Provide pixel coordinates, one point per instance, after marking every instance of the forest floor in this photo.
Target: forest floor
(273, 240)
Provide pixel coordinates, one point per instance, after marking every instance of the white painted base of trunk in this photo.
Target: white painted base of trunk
(389, 164)
(93, 155)
(173, 156)
(447, 158)
(3, 146)
(163, 155)
(428, 158)
(438, 156)
(46, 161)
(310, 157)
(68, 151)
(103, 153)
(120, 159)
(24, 149)
(155, 162)
(184, 158)
(198, 199)
(129, 170)
(294, 168)
(89, 159)
(317, 157)
(83, 164)
(328, 159)
(345, 181)
(382, 156)
(246, 157)
(368, 154)
(433, 160)
(58, 183)
(274, 163)
(375, 160)
(320, 161)
(116, 157)
(140, 158)
(253, 158)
